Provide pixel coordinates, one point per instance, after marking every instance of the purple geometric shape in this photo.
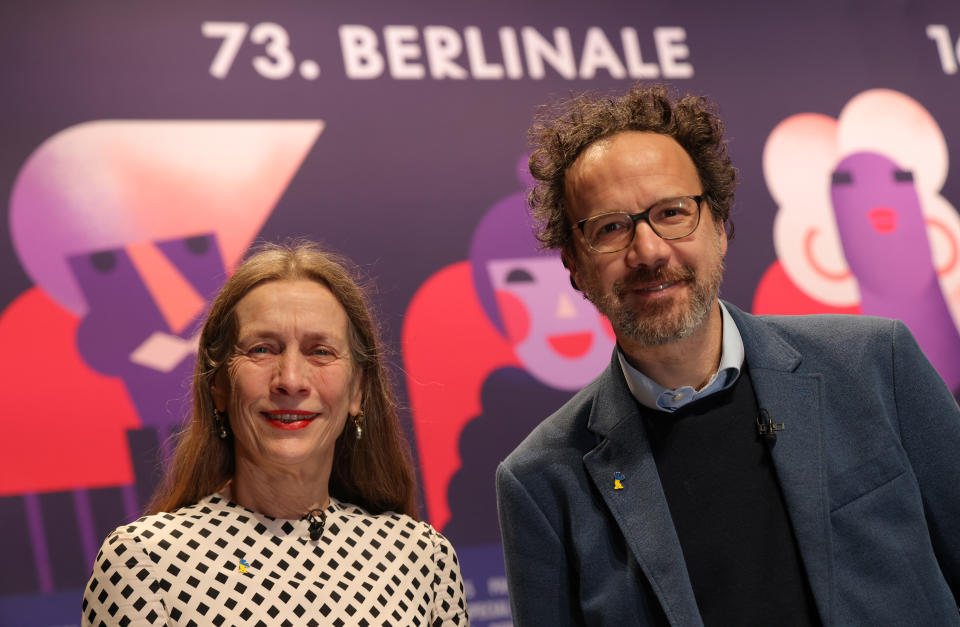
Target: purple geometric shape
(122, 316)
(884, 237)
(504, 232)
(199, 260)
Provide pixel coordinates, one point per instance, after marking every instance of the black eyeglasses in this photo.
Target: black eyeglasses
(672, 218)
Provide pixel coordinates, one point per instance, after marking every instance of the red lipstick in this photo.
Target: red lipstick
(289, 419)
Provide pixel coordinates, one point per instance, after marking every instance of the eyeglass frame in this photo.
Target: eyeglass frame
(636, 217)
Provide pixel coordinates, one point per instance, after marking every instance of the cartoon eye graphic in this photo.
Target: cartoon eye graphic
(519, 275)
(841, 178)
(103, 261)
(198, 245)
(903, 176)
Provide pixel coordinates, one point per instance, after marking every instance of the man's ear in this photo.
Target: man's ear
(566, 256)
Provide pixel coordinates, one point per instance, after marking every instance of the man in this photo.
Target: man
(725, 469)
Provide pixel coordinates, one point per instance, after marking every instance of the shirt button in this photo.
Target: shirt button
(677, 396)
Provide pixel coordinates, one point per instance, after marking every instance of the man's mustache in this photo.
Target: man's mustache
(646, 276)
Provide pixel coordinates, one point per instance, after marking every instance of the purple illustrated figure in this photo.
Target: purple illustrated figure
(133, 337)
(558, 338)
(884, 237)
(557, 335)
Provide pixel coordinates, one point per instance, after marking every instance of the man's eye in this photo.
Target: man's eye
(260, 350)
(610, 227)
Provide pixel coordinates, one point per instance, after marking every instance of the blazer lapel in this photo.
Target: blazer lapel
(794, 399)
(640, 507)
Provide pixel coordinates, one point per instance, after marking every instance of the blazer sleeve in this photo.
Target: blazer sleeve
(929, 422)
(123, 589)
(538, 573)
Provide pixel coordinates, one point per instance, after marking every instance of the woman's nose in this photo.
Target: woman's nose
(290, 374)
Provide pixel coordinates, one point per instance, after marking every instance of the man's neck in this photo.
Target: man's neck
(689, 361)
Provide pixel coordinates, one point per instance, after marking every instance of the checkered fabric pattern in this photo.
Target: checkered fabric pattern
(217, 563)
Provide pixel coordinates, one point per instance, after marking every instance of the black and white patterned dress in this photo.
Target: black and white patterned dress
(217, 563)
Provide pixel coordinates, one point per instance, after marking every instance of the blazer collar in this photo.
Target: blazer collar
(640, 508)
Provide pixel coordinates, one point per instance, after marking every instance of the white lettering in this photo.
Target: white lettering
(670, 49)
(511, 52)
(940, 34)
(631, 51)
(479, 67)
(358, 44)
(443, 45)
(598, 53)
(401, 46)
(559, 53)
(449, 53)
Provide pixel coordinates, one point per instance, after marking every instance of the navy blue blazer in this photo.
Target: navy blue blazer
(869, 465)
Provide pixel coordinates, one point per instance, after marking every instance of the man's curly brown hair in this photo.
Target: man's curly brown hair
(562, 131)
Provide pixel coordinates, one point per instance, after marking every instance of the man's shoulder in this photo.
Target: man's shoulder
(817, 335)
(819, 326)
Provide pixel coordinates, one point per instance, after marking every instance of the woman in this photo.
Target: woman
(290, 498)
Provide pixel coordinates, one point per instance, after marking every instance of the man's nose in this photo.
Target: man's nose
(647, 248)
(290, 377)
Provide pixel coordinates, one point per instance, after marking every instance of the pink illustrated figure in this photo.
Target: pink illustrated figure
(861, 225)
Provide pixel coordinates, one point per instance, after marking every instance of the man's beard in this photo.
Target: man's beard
(655, 323)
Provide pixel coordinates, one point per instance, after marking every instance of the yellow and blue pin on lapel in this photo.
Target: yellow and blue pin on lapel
(618, 480)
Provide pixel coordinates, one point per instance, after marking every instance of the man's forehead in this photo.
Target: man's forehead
(627, 145)
(630, 153)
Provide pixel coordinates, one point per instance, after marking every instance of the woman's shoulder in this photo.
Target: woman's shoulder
(401, 529)
(387, 520)
(153, 528)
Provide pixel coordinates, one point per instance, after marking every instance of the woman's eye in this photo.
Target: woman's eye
(323, 354)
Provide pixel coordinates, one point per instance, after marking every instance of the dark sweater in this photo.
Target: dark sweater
(729, 513)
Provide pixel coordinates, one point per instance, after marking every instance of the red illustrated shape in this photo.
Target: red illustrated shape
(515, 317)
(777, 294)
(883, 219)
(63, 426)
(571, 345)
(449, 349)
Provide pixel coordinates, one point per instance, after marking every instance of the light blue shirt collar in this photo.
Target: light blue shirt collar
(655, 396)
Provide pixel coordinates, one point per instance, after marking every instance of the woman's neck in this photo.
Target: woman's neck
(278, 493)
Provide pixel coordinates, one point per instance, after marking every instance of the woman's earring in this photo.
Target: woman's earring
(220, 422)
(356, 424)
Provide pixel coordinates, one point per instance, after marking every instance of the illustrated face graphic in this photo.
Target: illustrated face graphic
(655, 291)
(143, 302)
(131, 225)
(291, 384)
(881, 224)
(557, 335)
